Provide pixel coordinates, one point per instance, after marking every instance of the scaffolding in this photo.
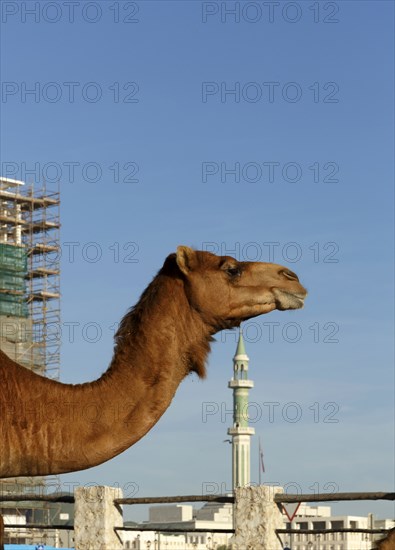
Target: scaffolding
(30, 331)
(30, 272)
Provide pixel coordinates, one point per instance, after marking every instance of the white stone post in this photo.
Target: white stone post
(256, 518)
(95, 516)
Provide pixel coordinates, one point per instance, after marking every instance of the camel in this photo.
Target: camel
(386, 543)
(48, 427)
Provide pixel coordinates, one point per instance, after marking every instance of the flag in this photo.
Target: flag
(261, 463)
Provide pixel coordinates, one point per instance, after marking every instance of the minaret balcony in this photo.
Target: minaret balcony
(241, 431)
(240, 383)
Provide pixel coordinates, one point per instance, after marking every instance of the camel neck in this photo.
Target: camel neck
(157, 346)
(160, 335)
(159, 342)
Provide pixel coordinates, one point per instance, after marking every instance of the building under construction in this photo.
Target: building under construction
(29, 309)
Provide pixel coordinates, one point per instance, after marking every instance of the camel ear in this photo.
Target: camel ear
(186, 258)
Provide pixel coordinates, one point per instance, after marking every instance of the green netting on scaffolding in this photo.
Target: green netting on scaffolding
(14, 305)
(11, 281)
(13, 270)
(13, 258)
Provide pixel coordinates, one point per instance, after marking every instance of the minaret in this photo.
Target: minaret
(240, 432)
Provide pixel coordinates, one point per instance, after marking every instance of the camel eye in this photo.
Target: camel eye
(233, 271)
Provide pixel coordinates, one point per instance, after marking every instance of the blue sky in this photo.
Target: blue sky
(142, 101)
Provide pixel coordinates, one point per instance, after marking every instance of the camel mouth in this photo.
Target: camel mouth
(288, 300)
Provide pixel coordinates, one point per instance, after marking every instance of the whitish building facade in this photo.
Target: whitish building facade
(183, 516)
(320, 517)
(219, 516)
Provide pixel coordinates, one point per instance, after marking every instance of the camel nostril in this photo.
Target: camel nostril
(289, 274)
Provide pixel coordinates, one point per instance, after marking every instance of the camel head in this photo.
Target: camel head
(226, 292)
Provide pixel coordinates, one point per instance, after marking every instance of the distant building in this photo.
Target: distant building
(320, 517)
(211, 516)
(219, 516)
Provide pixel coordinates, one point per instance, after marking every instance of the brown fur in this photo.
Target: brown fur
(47, 427)
(387, 543)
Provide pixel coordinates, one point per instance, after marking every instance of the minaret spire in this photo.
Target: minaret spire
(241, 433)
